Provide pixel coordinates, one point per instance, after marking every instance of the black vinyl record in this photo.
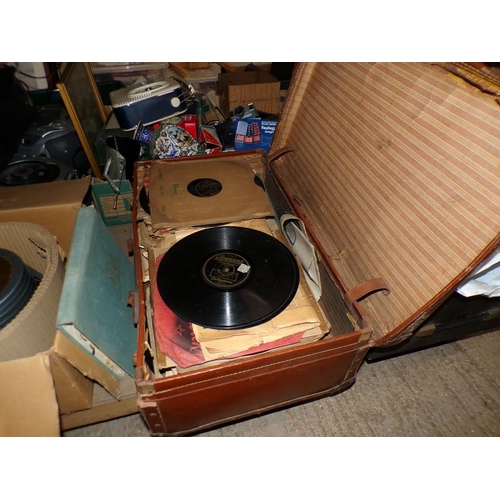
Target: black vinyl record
(17, 285)
(29, 171)
(144, 200)
(228, 277)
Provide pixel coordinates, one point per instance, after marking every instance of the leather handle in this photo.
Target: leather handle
(367, 288)
(276, 154)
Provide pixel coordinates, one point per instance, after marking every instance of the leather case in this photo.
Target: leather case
(393, 169)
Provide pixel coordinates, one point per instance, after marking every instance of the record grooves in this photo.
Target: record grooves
(228, 277)
(29, 171)
(17, 285)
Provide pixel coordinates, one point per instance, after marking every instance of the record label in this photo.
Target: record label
(226, 270)
(228, 277)
(204, 187)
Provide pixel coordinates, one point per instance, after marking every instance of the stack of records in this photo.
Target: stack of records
(229, 291)
(224, 282)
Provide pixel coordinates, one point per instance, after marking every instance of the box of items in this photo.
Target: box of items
(46, 376)
(384, 186)
(53, 205)
(115, 208)
(37, 225)
(253, 133)
(257, 87)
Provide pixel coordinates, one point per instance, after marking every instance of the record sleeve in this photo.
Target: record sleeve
(189, 193)
(300, 321)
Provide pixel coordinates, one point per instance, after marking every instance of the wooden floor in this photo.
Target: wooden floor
(449, 390)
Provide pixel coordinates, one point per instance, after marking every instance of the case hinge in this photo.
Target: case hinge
(134, 303)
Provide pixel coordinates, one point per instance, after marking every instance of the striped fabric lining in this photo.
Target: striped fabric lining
(397, 166)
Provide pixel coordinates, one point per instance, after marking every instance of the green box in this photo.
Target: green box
(114, 209)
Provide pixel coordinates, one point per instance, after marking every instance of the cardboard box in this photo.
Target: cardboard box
(28, 399)
(257, 87)
(36, 388)
(210, 139)
(254, 133)
(52, 205)
(114, 210)
(27, 349)
(74, 391)
(208, 109)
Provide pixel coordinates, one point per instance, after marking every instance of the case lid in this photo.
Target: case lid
(394, 168)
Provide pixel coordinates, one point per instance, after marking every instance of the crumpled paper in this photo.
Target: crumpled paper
(485, 281)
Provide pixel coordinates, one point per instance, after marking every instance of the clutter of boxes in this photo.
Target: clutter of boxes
(53, 343)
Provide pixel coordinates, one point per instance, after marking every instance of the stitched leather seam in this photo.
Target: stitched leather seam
(249, 370)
